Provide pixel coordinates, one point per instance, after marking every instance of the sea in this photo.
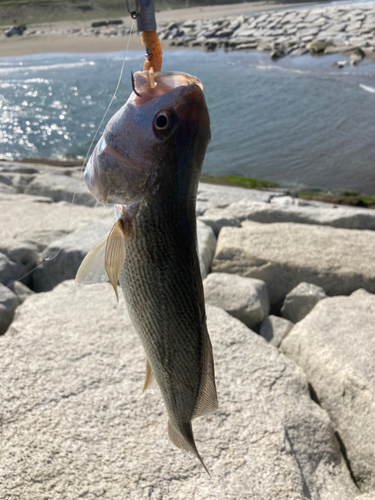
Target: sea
(299, 122)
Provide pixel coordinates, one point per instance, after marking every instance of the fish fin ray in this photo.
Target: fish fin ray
(186, 442)
(92, 269)
(115, 254)
(150, 382)
(208, 399)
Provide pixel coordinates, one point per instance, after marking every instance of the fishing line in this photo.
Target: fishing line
(42, 259)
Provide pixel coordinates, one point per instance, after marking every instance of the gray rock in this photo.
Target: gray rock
(8, 269)
(61, 188)
(40, 224)
(63, 257)
(283, 255)
(23, 255)
(244, 298)
(224, 195)
(217, 222)
(274, 329)
(74, 421)
(8, 303)
(335, 346)
(301, 300)
(344, 217)
(366, 496)
(21, 290)
(206, 247)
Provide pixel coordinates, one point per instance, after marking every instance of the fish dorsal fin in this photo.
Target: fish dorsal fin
(150, 382)
(208, 399)
(115, 254)
(92, 268)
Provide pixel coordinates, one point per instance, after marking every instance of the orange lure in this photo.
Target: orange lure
(154, 53)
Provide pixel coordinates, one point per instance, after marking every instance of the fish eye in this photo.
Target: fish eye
(161, 121)
(164, 123)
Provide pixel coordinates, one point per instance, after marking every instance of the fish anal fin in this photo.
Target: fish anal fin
(150, 382)
(92, 268)
(115, 254)
(207, 402)
(185, 442)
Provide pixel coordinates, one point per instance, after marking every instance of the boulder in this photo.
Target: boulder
(21, 258)
(63, 257)
(8, 303)
(217, 222)
(221, 196)
(21, 290)
(61, 188)
(345, 217)
(301, 300)
(243, 298)
(75, 423)
(283, 255)
(274, 329)
(8, 269)
(34, 222)
(366, 496)
(335, 346)
(206, 247)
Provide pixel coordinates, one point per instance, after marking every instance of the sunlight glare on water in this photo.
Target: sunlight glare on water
(298, 122)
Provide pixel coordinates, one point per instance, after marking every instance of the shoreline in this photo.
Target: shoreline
(281, 29)
(75, 37)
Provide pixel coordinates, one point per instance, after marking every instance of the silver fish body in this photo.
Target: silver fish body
(167, 136)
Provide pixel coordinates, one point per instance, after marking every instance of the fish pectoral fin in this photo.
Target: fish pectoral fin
(92, 268)
(208, 400)
(185, 442)
(115, 254)
(150, 382)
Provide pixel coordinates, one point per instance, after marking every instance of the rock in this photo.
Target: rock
(244, 298)
(318, 47)
(23, 255)
(8, 303)
(274, 329)
(8, 269)
(65, 256)
(30, 221)
(344, 217)
(222, 196)
(72, 405)
(366, 496)
(21, 290)
(61, 188)
(301, 300)
(277, 54)
(217, 222)
(357, 55)
(283, 255)
(206, 247)
(335, 346)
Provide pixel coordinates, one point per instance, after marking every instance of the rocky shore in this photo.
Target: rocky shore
(328, 30)
(290, 293)
(347, 30)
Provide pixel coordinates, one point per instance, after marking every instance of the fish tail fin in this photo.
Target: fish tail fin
(184, 439)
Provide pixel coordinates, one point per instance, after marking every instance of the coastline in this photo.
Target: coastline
(54, 37)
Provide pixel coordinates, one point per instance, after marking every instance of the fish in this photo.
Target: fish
(148, 164)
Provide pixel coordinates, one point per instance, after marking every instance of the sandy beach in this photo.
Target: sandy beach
(57, 43)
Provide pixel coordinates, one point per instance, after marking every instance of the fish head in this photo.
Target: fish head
(159, 136)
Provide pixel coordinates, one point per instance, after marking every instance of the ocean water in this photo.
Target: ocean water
(298, 122)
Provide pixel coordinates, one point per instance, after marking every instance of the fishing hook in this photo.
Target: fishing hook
(133, 85)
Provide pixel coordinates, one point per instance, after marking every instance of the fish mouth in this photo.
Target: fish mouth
(114, 173)
(149, 85)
